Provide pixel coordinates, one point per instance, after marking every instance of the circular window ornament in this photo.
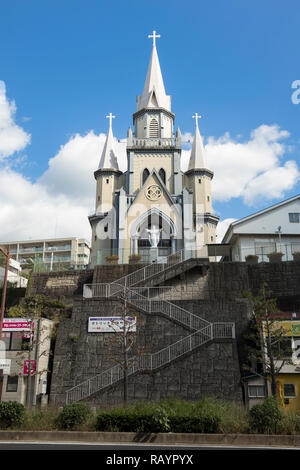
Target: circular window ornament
(153, 192)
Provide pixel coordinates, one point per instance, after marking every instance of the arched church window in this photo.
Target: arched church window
(146, 173)
(162, 175)
(153, 128)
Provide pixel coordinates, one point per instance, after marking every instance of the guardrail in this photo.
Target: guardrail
(150, 362)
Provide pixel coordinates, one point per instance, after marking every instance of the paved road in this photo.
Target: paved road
(118, 449)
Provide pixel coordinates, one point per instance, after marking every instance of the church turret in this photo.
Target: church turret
(108, 182)
(197, 153)
(199, 182)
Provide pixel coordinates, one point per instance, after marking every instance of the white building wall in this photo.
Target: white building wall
(268, 222)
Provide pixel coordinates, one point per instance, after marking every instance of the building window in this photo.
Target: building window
(162, 175)
(153, 128)
(107, 180)
(289, 390)
(12, 383)
(256, 391)
(199, 181)
(294, 217)
(14, 341)
(146, 173)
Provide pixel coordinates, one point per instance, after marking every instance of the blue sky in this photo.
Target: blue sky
(67, 63)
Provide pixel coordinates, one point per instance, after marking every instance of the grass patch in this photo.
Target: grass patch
(208, 415)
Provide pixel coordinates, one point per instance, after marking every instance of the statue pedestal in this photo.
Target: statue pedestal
(153, 254)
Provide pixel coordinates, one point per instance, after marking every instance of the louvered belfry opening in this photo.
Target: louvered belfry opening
(153, 128)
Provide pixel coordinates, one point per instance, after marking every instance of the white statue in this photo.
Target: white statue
(154, 235)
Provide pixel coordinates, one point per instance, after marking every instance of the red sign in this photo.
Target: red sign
(32, 368)
(16, 324)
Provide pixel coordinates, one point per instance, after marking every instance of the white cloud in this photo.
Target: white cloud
(12, 137)
(252, 169)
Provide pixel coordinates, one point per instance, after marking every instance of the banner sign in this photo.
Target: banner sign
(5, 366)
(16, 324)
(32, 367)
(111, 324)
(290, 328)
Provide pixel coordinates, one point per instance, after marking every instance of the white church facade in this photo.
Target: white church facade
(152, 209)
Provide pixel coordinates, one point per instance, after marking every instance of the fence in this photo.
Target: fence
(263, 250)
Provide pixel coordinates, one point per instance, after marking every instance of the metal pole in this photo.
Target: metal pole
(3, 308)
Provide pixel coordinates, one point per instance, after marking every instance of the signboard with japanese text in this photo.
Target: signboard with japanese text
(16, 324)
(111, 324)
(32, 367)
(5, 366)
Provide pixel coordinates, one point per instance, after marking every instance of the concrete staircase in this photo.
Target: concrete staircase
(200, 331)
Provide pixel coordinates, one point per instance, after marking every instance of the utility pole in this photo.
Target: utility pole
(6, 254)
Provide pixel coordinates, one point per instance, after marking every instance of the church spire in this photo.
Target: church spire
(108, 158)
(154, 94)
(197, 153)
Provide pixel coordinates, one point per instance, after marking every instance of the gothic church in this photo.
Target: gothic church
(153, 195)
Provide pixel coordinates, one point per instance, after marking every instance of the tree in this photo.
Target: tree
(267, 343)
(123, 341)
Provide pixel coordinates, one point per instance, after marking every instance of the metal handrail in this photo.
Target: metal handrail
(151, 269)
(166, 307)
(145, 362)
(205, 331)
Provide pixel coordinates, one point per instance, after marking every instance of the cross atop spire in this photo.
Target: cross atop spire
(154, 94)
(197, 116)
(154, 36)
(110, 117)
(108, 158)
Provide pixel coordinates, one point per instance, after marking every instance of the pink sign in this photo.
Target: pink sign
(16, 324)
(32, 368)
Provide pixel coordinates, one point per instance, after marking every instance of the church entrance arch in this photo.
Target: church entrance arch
(147, 224)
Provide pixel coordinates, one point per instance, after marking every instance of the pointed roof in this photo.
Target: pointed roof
(197, 153)
(154, 94)
(108, 158)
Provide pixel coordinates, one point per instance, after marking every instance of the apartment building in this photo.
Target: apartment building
(14, 275)
(50, 254)
(17, 335)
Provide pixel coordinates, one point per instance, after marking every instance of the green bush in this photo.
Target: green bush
(266, 417)
(73, 415)
(168, 415)
(139, 418)
(12, 414)
(202, 417)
